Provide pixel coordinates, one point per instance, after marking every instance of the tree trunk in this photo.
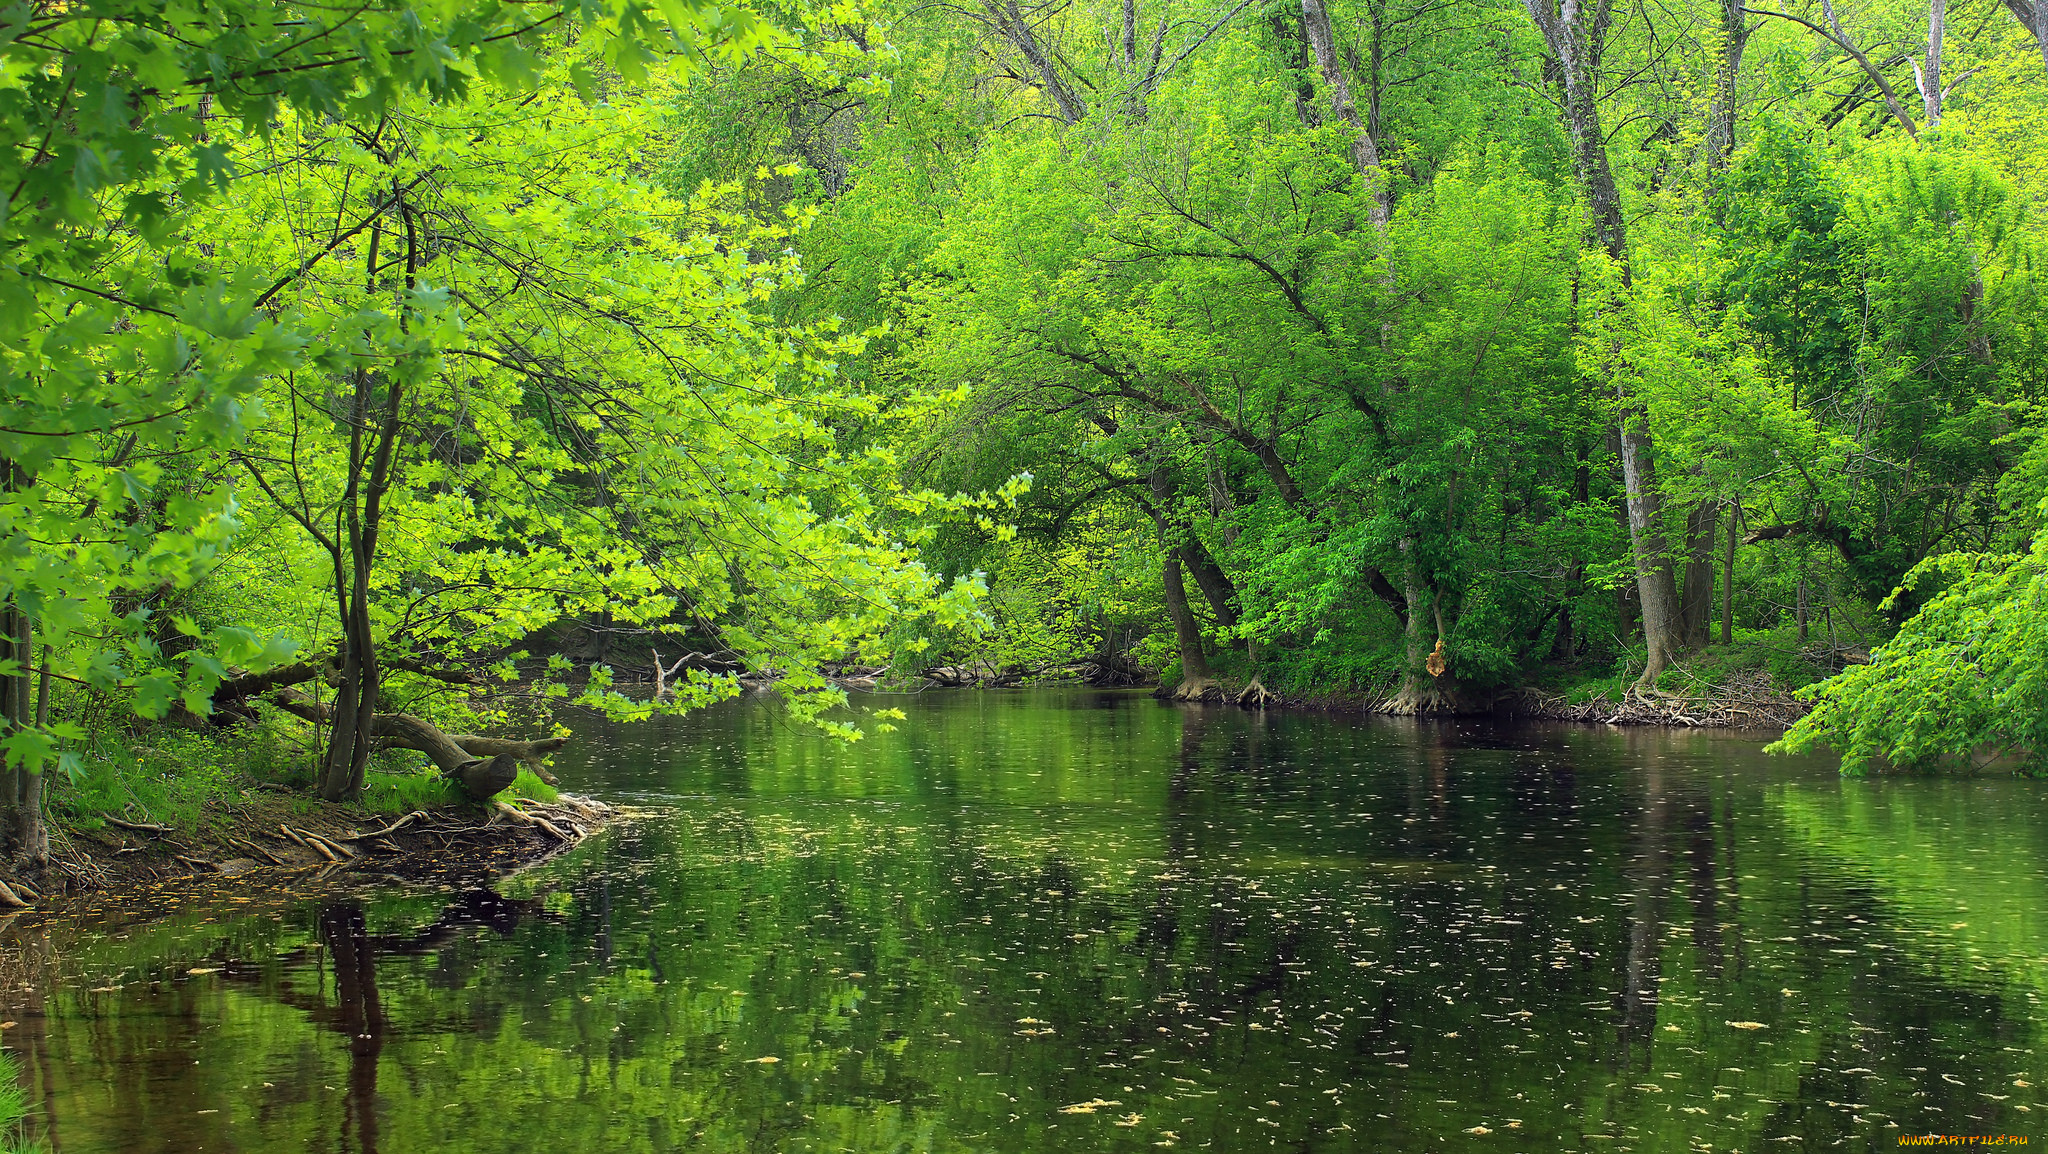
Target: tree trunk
(483, 765)
(1294, 54)
(1728, 574)
(13, 687)
(346, 736)
(1696, 606)
(31, 834)
(2039, 24)
(1564, 645)
(21, 823)
(1576, 48)
(1365, 153)
(348, 757)
(1929, 76)
(1196, 680)
(1014, 27)
(1216, 586)
(1176, 545)
(27, 841)
(1727, 74)
(1427, 687)
(1656, 585)
(480, 777)
(1575, 41)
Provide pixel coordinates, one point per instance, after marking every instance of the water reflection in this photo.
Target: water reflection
(355, 1010)
(1036, 923)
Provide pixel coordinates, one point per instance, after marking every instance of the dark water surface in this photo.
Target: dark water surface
(1067, 921)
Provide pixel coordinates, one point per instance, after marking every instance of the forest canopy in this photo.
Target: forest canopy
(396, 369)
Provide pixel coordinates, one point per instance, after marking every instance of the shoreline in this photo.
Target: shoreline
(1672, 711)
(275, 836)
(1756, 703)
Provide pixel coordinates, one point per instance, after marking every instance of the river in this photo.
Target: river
(1076, 921)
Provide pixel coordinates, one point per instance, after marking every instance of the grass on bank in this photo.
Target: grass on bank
(181, 778)
(14, 1110)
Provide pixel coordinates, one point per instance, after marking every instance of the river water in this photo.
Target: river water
(1074, 921)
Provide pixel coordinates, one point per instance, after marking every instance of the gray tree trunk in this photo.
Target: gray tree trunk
(1195, 676)
(1365, 153)
(1427, 685)
(1011, 23)
(1656, 584)
(1575, 39)
(1727, 75)
(1216, 586)
(1728, 574)
(1929, 73)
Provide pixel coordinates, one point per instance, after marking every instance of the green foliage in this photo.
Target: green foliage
(13, 1110)
(170, 777)
(136, 337)
(404, 792)
(427, 788)
(1964, 683)
(461, 331)
(397, 299)
(173, 777)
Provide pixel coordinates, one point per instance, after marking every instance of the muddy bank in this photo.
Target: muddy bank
(269, 838)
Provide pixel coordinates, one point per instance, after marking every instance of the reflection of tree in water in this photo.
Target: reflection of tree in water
(1675, 821)
(1403, 914)
(29, 969)
(357, 1011)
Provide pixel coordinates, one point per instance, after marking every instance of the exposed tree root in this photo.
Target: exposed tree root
(1434, 697)
(1256, 695)
(266, 836)
(1193, 689)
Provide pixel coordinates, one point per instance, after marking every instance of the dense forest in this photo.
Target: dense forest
(374, 373)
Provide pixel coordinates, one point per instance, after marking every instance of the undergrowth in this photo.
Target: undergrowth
(14, 1110)
(171, 776)
(426, 788)
(1774, 653)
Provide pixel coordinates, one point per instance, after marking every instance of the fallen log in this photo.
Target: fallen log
(484, 766)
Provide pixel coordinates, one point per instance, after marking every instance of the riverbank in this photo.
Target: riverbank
(1750, 684)
(284, 834)
(1753, 684)
(1755, 702)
